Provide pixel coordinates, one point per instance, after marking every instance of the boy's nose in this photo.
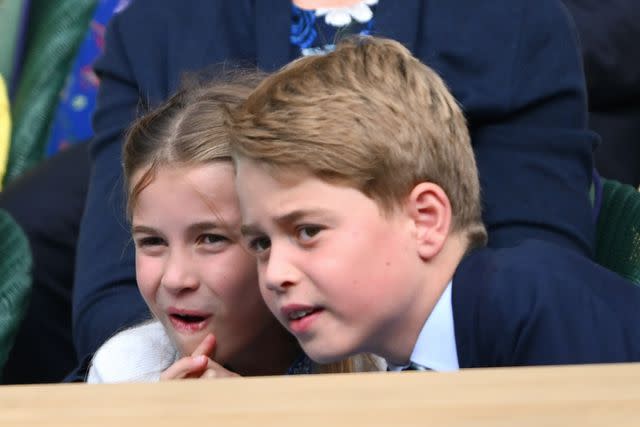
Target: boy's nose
(279, 273)
(179, 273)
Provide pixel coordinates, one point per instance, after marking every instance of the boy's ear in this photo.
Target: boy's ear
(430, 210)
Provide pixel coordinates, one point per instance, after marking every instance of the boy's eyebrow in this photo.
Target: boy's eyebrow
(288, 218)
(249, 230)
(293, 216)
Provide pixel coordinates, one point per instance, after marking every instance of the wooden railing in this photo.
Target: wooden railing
(597, 395)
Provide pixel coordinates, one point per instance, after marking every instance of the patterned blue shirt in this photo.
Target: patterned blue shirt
(312, 35)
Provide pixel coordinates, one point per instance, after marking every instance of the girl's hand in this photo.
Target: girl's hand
(198, 365)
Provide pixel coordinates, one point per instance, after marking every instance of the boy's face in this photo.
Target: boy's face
(334, 270)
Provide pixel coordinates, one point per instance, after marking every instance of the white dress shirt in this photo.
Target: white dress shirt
(436, 345)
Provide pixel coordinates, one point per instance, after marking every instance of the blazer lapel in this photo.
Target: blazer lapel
(467, 287)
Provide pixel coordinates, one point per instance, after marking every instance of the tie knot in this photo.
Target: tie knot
(415, 367)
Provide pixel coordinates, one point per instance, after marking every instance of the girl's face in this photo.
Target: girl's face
(191, 268)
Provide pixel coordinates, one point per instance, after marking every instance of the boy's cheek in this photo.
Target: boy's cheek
(267, 296)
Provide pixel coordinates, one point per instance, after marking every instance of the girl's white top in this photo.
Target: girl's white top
(138, 354)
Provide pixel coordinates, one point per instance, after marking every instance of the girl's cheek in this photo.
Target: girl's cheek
(148, 277)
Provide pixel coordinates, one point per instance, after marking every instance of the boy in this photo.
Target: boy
(361, 200)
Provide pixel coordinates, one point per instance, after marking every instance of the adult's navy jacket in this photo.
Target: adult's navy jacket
(541, 304)
(609, 33)
(512, 64)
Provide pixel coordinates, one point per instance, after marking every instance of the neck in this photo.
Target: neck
(272, 353)
(402, 335)
(324, 4)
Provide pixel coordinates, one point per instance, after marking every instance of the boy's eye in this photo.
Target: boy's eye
(259, 244)
(150, 241)
(308, 232)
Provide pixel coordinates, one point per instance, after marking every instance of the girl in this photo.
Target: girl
(197, 279)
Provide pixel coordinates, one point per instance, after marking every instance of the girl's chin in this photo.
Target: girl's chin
(187, 345)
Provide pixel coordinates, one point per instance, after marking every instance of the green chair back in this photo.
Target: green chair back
(56, 29)
(15, 281)
(618, 230)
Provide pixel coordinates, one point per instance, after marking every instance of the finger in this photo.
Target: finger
(206, 347)
(187, 367)
(213, 373)
(209, 373)
(214, 370)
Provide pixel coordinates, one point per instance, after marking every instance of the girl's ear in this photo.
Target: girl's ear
(430, 210)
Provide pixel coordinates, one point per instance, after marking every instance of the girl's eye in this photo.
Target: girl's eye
(150, 241)
(259, 244)
(211, 239)
(308, 232)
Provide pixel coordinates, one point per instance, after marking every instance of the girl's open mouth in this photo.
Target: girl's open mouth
(189, 322)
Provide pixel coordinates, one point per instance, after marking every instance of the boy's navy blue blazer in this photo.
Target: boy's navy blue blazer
(514, 66)
(540, 304)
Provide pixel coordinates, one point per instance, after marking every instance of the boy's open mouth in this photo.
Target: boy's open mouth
(299, 314)
(299, 317)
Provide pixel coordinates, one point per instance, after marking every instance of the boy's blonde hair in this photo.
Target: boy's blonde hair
(368, 115)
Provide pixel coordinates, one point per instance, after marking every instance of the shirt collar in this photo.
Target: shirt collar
(436, 345)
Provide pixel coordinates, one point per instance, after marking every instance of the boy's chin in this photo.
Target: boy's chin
(324, 356)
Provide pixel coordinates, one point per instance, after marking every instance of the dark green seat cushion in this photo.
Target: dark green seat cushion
(618, 230)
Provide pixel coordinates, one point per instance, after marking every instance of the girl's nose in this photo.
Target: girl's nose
(179, 273)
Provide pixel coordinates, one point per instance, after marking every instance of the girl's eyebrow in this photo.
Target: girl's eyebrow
(203, 226)
(143, 229)
(193, 228)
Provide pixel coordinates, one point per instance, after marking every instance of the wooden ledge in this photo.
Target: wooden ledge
(588, 395)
